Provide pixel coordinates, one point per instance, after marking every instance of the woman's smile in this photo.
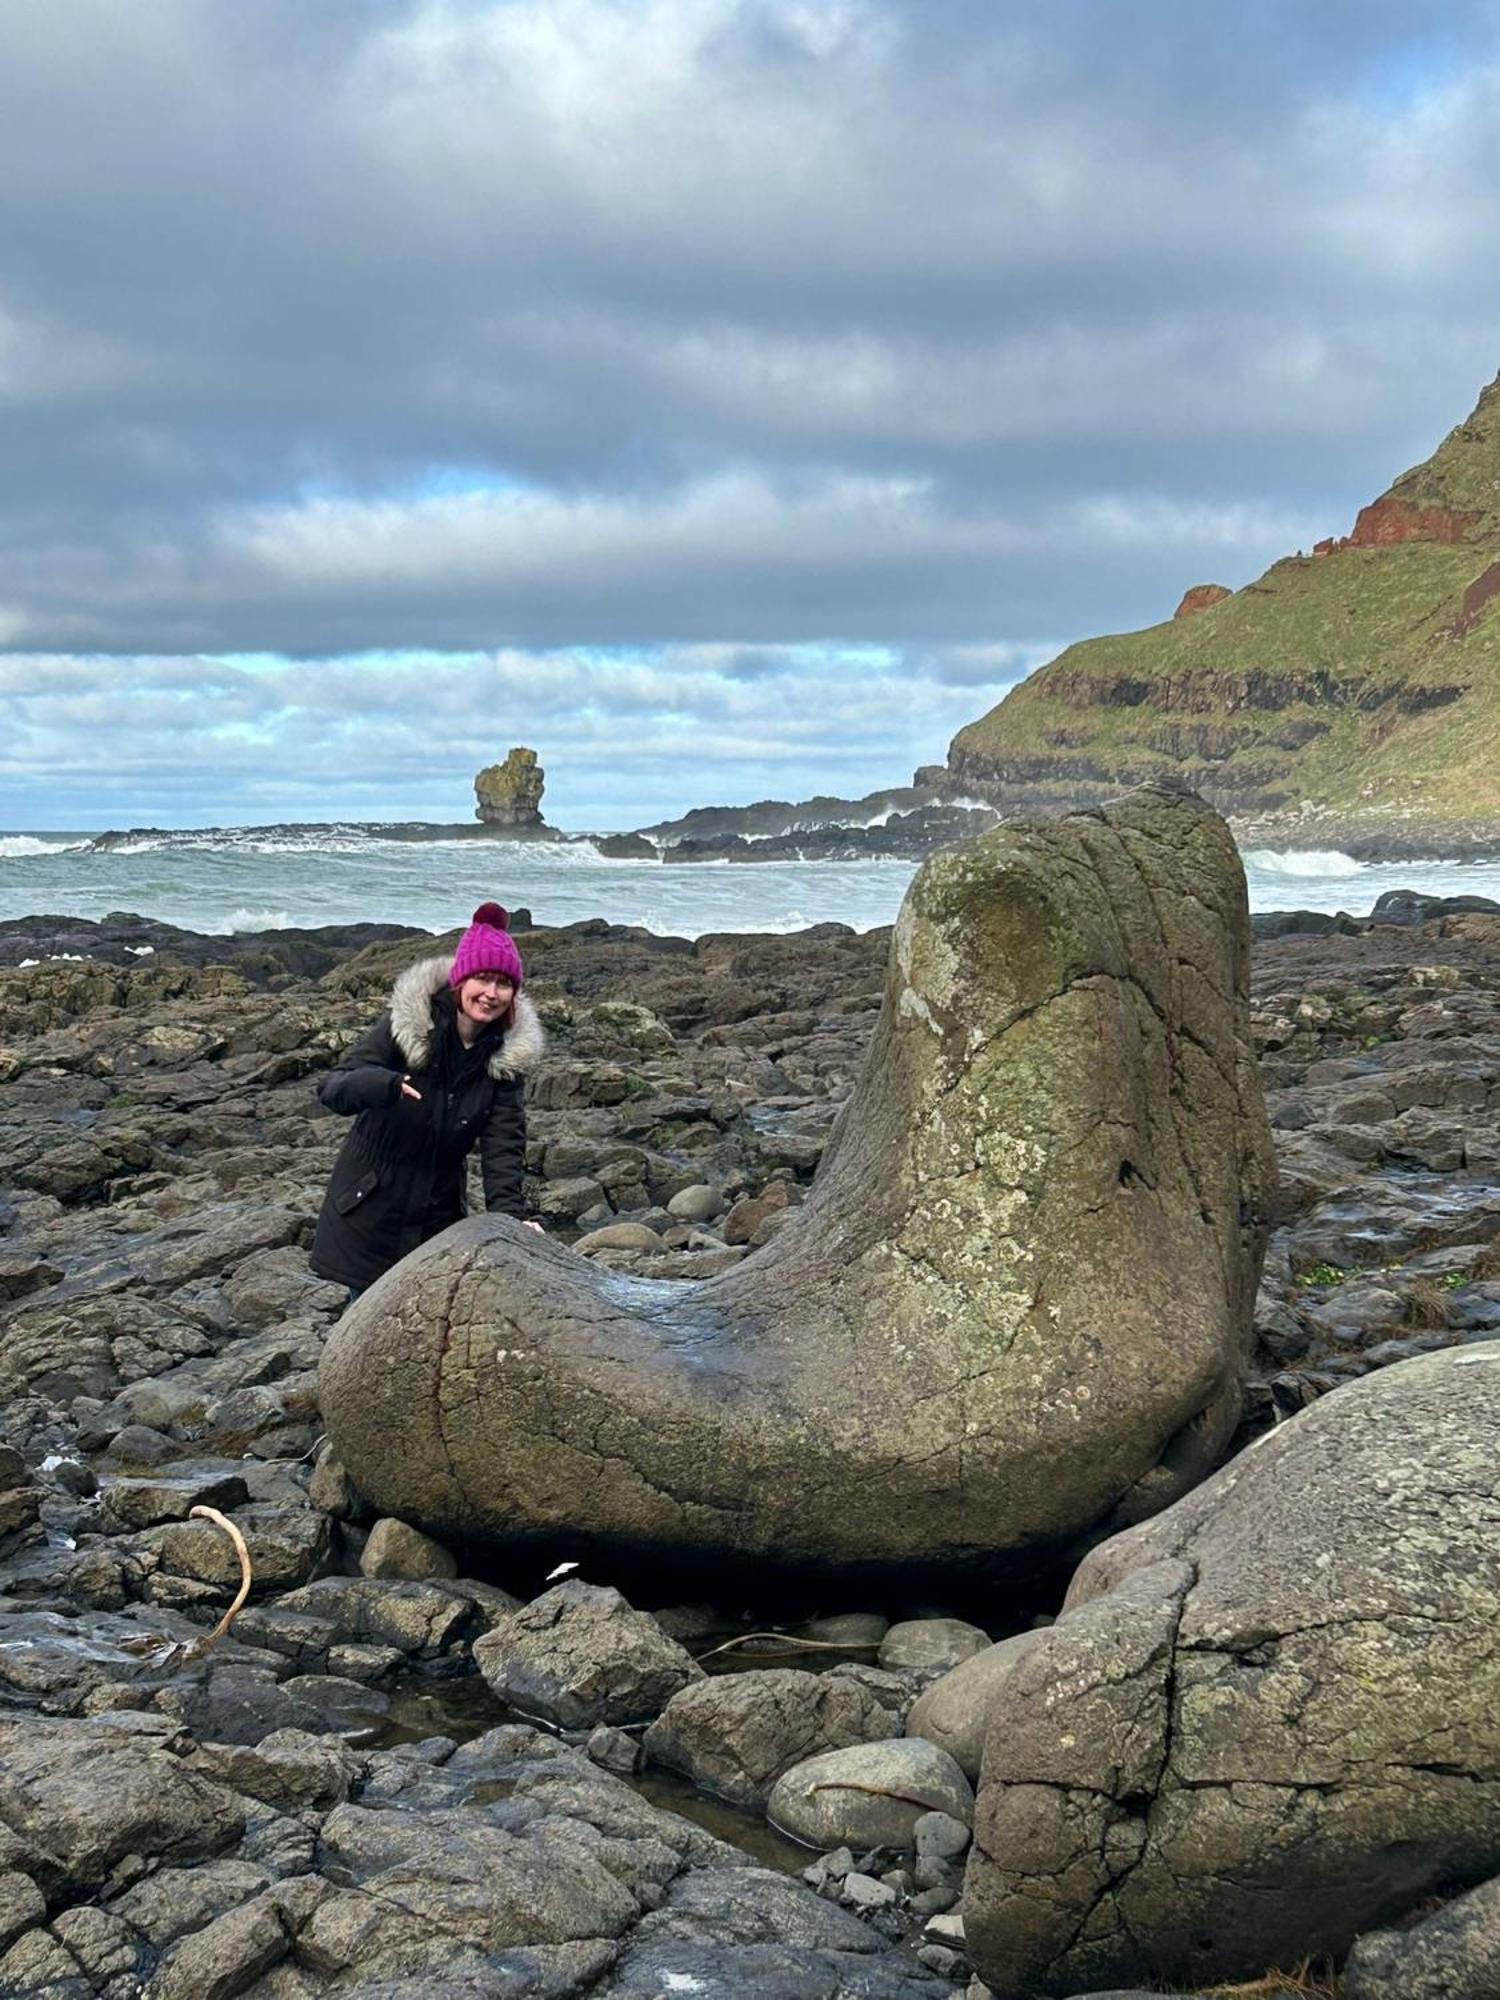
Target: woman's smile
(484, 997)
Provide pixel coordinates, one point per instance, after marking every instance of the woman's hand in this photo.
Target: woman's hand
(528, 1223)
(409, 1089)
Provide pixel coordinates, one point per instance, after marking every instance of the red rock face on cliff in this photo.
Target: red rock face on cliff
(1389, 520)
(1201, 597)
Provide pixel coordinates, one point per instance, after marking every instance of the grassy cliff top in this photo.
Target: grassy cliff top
(1464, 472)
(1365, 676)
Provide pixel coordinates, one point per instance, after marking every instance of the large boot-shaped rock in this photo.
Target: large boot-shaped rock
(1014, 1306)
(1268, 1719)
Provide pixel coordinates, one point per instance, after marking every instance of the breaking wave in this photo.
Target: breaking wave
(26, 846)
(1311, 864)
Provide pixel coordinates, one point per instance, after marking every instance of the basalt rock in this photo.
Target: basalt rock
(1013, 1309)
(510, 794)
(1267, 1720)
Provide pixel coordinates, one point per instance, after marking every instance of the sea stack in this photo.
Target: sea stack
(510, 794)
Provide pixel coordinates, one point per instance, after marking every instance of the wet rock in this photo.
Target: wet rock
(102, 1945)
(276, 1285)
(83, 1799)
(857, 1630)
(173, 1901)
(239, 1704)
(567, 1200)
(579, 1655)
(289, 1769)
(736, 1734)
(288, 1547)
(127, 1504)
(228, 1955)
(615, 1750)
(869, 1796)
(750, 1213)
(331, 1488)
(940, 1837)
(1267, 1720)
(20, 1274)
(758, 1936)
(40, 1967)
(416, 1878)
(421, 1620)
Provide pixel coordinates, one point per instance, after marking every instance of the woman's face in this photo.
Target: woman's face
(485, 997)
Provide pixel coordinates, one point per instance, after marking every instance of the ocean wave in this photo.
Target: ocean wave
(1310, 863)
(241, 840)
(24, 846)
(254, 920)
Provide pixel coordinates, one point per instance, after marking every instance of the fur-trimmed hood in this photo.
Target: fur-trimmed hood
(413, 1016)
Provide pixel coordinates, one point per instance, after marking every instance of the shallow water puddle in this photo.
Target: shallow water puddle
(463, 1707)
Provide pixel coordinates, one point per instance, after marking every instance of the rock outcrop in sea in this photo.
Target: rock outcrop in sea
(1348, 698)
(1015, 1307)
(510, 793)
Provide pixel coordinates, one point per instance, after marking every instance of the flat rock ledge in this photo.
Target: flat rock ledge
(1015, 1306)
(1269, 1719)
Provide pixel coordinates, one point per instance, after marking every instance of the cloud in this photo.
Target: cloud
(778, 328)
(81, 739)
(750, 563)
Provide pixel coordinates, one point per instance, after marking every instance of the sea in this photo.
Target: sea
(252, 879)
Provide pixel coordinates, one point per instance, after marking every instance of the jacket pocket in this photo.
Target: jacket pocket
(356, 1196)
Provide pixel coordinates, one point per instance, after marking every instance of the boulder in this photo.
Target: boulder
(872, 1795)
(1267, 1720)
(736, 1733)
(1455, 1952)
(580, 1655)
(395, 1549)
(931, 1645)
(955, 1712)
(1013, 1309)
(697, 1203)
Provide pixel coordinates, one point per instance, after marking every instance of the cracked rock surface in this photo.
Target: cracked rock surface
(1268, 1719)
(1015, 1305)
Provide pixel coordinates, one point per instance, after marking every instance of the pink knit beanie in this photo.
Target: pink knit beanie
(486, 946)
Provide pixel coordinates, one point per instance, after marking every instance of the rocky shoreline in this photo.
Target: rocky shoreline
(905, 822)
(903, 825)
(1369, 837)
(406, 1769)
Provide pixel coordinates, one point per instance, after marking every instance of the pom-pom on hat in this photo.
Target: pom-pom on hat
(486, 946)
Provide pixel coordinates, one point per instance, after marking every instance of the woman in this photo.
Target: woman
(441, 1070)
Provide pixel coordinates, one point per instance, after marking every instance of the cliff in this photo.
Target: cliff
(1361, 681)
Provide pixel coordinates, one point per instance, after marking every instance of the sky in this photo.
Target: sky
(727, 398)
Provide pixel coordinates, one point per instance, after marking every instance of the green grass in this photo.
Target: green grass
(1367, 619)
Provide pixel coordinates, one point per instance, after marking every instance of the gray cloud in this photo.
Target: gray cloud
(743, 324)
(206, 740)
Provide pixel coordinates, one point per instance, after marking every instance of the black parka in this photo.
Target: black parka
(399, 1176)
